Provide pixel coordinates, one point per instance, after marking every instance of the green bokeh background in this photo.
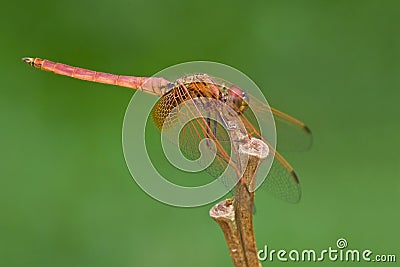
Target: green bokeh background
(66, 196)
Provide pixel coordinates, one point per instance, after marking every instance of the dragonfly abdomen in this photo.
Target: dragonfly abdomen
(152, 85)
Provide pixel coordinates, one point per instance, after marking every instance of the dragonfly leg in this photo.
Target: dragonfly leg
(208, 120)
(215, 128)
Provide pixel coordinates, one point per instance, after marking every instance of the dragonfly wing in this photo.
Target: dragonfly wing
(189, 123)
(292, 134)
(216, 153)
(282, 181)
(200, 130)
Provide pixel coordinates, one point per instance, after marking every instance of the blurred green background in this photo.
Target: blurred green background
(66, 196)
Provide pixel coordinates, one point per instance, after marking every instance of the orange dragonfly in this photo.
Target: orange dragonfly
(282, 181)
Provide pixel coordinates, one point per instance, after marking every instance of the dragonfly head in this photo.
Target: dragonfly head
(237, 99)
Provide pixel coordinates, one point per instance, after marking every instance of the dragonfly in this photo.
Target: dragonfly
(282, 181)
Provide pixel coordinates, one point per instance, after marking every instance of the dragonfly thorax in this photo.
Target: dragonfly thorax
(193, 87)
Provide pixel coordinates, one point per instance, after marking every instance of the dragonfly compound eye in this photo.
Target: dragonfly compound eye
(237, 99)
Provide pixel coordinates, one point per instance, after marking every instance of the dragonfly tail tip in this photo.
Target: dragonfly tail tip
(28, 60)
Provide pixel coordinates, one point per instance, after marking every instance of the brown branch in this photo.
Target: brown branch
(243, 204)
(224, 214)
(236, 220)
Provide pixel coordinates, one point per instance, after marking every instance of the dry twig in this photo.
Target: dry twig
(236, 217)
